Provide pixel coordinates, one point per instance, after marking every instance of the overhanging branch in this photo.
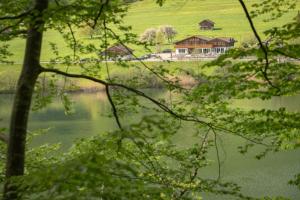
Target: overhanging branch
(114, 109)
(16, 16)
(262, 46)
(72, 34)
(6, 28)
(99, 14)
(194, 174)
(286, 54)
(187, 118)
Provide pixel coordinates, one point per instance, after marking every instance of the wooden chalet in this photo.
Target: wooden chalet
(206, 24)
(201, 45)
(118, 50)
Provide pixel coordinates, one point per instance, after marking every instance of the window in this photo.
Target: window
(205, 51)
(181, 50)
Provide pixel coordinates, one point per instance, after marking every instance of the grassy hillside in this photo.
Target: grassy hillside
(184, 15)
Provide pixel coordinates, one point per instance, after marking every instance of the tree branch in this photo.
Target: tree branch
(285, 54)
(106, 46)
(114, 109)
(262, 46)
(187, 118)
(143, 63)
(72, 34)
(16, 16)
(218, 155)
(12, 26)
(99, 14)
(21, 19)
(196, 170)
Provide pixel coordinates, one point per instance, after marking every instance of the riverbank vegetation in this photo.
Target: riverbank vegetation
(9, 75)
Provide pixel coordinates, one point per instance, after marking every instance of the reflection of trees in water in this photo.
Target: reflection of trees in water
(86, 106)
(288, 102)
(5, 109)
(94, 106)
(89, 119)
(94, 103)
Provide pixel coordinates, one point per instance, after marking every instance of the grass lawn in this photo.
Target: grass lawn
(184, 15)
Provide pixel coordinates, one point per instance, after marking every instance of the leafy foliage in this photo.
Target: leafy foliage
(274, 8)
(141, 160)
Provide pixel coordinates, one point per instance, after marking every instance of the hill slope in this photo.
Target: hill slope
(184, 15)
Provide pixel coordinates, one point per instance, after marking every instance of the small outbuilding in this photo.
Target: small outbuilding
(206, 24)
(118, 51)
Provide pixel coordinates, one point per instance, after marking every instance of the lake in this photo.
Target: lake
(268, 176)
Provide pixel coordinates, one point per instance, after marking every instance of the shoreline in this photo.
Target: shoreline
(95, 88)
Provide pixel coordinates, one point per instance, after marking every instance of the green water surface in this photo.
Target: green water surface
(266, 177)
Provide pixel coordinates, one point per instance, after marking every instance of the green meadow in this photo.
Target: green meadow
(183, 15)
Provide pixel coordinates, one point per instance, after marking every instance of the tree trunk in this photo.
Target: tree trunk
(22, 101)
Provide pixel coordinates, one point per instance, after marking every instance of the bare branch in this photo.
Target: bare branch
(74, 41)
(105, 44)
(262, 46)
(187, 118)
(114, 109)
(72, 34)
(6, 28)
(99, 14)
(16, 16)
(196, 170)
(20, 18)
(218, 155)
(285, 54)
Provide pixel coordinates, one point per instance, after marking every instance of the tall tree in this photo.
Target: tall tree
(169, 32)
(24, 92)
(159, 40)
(149, 36)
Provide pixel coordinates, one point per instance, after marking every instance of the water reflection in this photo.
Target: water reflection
(90, 118)
(266, 177)
(291, 103)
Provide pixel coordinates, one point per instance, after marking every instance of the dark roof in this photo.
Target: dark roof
(119, 49)
(226, 39)
(196, 36)
(207, 20)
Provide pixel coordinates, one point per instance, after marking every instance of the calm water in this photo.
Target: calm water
(265, 177)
